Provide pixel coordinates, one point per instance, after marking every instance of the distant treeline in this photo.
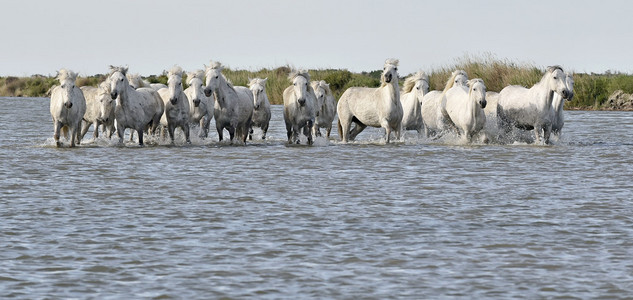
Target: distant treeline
(591, 90)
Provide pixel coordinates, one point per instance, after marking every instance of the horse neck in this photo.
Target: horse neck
(394, 90)
(124, 95)
(543, 94)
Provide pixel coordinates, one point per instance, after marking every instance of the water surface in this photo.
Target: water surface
(414, 219)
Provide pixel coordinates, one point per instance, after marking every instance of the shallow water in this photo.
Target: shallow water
(414, 219)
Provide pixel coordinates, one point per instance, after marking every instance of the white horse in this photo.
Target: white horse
(492, 98)
(67, 107)
(137, 82)
(326, 107)
(233, 105)
(413, 91)
(531, 108)
(376, 107)
(200, 106)
(432, 114)
(96, 97)
(261, 106)
(137, 109)
(558, 120)
(299, 106)
(177, 113)
(465, 108)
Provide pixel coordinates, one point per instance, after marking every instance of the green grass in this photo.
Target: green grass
(591, 90)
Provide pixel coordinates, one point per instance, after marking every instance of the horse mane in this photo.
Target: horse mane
(215, 65)
(63, 75)
(295, 73)
(105, 85)
(195, 74)
(122, 69)
(255, 81)
(175, 70)
(550, 70)
(409, 83)
(322, 84)
(392, 61)
(472, 82)
(136, 80)
(451, 80)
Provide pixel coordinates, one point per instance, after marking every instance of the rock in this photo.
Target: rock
(619, 100)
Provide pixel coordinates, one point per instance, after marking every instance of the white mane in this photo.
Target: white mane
(550, 70)
(175, 70)
(121, 69)
(295, 73)
(324, 85)
(392, 61)
(451, 80)
(259, 81)
(64, 75)
(199, 74)
(409, 83)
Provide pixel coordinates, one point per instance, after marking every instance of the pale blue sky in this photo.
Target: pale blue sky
(40, 37)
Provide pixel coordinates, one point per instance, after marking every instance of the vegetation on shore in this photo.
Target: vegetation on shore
(591, 90)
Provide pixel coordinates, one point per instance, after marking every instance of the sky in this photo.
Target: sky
(86, 36)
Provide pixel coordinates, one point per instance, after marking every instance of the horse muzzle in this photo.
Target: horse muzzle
(68, 104)
(207, 92)
(570, 96)
(173, 101)
(113, 95)
(388, 78)
(483, 103)
(302, 101)
(196, 102)
(566, 94)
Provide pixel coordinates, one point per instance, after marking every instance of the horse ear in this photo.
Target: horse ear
(124, 69)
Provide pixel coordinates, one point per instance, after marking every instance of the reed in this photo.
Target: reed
(591, 90)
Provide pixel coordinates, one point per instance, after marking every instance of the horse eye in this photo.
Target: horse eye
(121, 79)
(216, 76)
(396, 69)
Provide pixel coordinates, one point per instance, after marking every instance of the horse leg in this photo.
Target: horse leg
(140, 137)
(170, 129)
(264, 130)
(356, 130)
(185, 128)
(56, 133)
(307, 130)
(231, 130)
(78, 132)
(547, 131)
(329, 129)
(95, 134)
(120, 131)
(84, 128)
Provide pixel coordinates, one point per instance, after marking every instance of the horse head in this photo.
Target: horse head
(557, 81)
(194, 80)
(389, 71)
(67, 83)
(118, 80)
(106, 103)
(214, 77)
(570, 85)
(477, 91)
(321, 92)
(258, 87)
(174, 84)
(300, 80)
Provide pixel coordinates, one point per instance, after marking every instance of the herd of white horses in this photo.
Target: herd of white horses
(125, 101)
